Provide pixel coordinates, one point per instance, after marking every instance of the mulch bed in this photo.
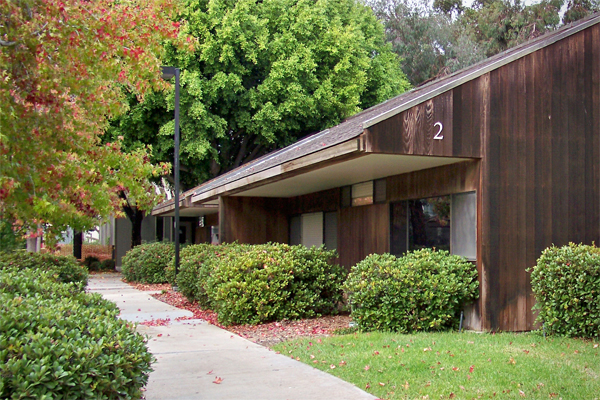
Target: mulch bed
(264, 334)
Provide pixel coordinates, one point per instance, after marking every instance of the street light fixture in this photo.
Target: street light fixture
(167, 74)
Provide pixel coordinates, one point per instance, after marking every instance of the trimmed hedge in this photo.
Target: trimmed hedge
(59, 342)
(147, 262)
(197, 264)
(566, 285)
(251, 284)
(65, 268)
(423, 290)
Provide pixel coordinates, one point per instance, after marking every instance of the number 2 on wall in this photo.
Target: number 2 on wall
(438, 135)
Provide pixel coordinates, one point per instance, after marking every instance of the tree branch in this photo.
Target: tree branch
(241, 155)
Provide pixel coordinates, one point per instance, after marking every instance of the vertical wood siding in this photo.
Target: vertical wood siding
(362, 231)
(540, 182)
(253, 220)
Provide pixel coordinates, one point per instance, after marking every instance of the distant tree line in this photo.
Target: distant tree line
(436, 38)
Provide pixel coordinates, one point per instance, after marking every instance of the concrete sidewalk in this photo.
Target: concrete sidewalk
(191, 354)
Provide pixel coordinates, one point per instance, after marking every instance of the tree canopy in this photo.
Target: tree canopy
(262, 75)
(63, 67)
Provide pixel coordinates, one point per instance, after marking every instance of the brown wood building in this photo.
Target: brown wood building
(495, 162)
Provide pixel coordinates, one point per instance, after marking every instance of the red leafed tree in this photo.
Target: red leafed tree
(63, 67)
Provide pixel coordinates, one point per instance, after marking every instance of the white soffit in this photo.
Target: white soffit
(210, 207)
(365, 168)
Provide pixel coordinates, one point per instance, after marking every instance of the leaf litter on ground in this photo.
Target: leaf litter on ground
(266, 334)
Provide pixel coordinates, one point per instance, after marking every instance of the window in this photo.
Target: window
(314, 229)
(464, 225)
(362, 193)
(445, 222)
(331, 230)
(380, 191)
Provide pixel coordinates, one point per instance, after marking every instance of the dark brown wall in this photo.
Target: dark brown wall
(203, 233)
(540, 169)
(253, 220)
(449, 179)
(326, 200)
(362, 231)
(414, 131)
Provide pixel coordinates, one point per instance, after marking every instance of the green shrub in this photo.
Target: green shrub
(89, 260)
(59, 342)
(423, 290)
(147, 262)
(66, 268)
(107, 265)
(566, 285)
(254, 284)
(197, 263)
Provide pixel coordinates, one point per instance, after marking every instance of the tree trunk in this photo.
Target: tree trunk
(136, 216)
(77, 244)
(136, 228)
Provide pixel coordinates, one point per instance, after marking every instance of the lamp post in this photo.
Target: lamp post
(168, 73)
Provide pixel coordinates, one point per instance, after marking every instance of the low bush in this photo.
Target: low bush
(261, 283)
(66, 268)
(89, 260)
(59, 342)
(147, 262)
(107, 265)
(423, 290)
(566, 285)
(197, 264)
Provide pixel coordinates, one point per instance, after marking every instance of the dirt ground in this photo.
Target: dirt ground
(264, 334)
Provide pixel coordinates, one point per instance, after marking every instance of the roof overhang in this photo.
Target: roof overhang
(186, 208)
(320, 159)
(367, 167)
(341, 165)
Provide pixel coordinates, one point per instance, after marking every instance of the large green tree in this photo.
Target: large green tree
(63, 67)
(261, 75)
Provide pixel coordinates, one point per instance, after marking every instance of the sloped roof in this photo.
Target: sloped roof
(354, 126)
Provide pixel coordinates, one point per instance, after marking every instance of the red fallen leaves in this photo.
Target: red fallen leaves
(265, 333)
(157, 322)
(218, 380)
(471, 369)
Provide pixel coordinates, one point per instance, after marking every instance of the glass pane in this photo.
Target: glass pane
(429, 223)
(398, 228)
(312, 229)
(331, 230)
(295, 231)
(464, 225)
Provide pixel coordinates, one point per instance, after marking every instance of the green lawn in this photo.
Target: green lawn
(457, 366)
